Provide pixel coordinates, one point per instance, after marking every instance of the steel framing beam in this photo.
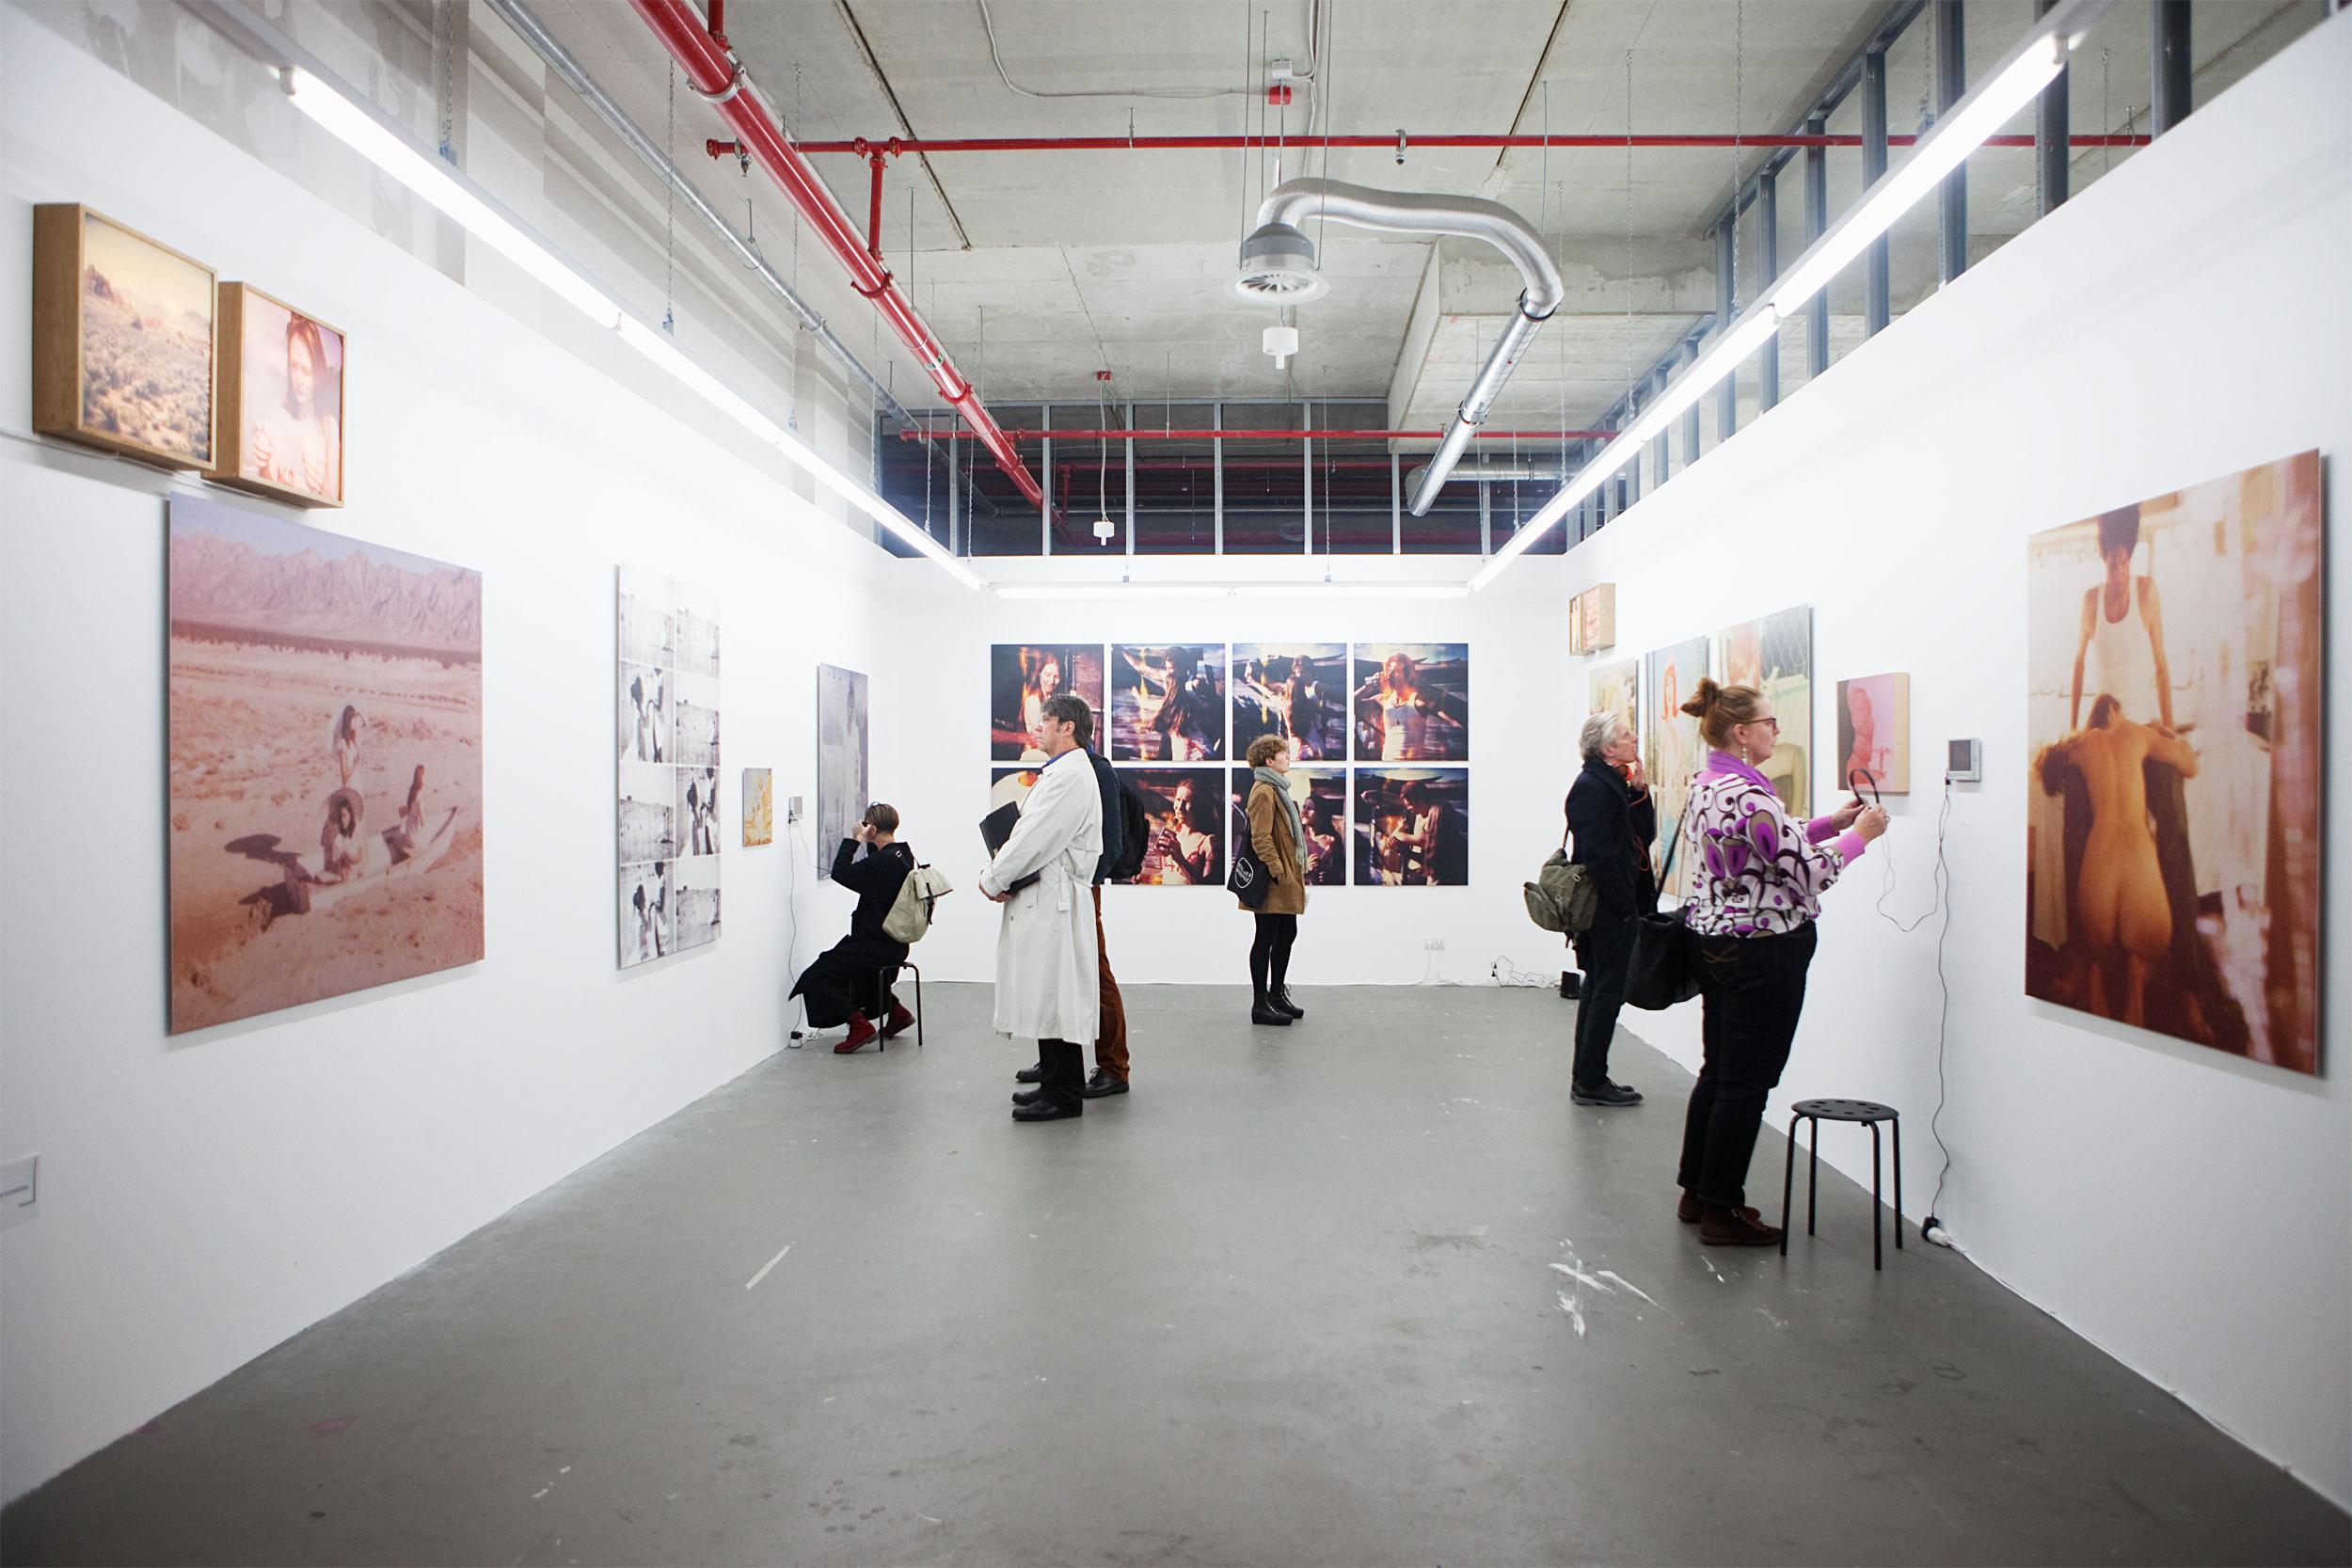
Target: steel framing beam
(2167, 65)
(1816, 224)
(1727, 310)
(1768, 268)
(2051, 169)
(1951, 81)
(1878, 308)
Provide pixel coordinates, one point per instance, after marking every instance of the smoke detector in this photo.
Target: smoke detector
(1280, 342)
(1278, 267)
(1104, 531)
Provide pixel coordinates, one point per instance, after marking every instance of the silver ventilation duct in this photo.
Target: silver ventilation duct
(1487, 473)
(1278, 255)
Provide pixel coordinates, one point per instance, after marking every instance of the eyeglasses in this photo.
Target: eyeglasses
(1774, 722)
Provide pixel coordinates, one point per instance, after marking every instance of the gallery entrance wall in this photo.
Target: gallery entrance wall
(260, 1085)
(2121, 1135)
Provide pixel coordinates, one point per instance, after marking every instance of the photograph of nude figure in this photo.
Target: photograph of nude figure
(2174, 789)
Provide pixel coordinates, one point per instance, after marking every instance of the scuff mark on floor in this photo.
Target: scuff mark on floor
(1611, 1273)
(1576, 1313)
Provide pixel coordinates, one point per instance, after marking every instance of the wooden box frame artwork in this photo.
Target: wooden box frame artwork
(234, 443)
(60, 255)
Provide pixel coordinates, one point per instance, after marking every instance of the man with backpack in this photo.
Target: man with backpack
(844, 984)
(1124, 830)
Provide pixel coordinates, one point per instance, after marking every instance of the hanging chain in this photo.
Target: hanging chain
(1625, 282)
(669, 216)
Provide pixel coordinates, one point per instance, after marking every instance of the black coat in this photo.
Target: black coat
(1614, 833)
(1114, 820)
(876, 880)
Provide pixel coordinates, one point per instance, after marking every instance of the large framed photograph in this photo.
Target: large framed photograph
(1671, 751)
(326, 764)
(1774, 654)
(1322, 797)
(666, 781)
(281, 400)
(1168, 703)
(1023, 675)
(1297, 690)
(1412, 826)
(122, 339)
(2175, 705)
(1187, 846)
(1612, 689)
(1411, 702)
(841, 760)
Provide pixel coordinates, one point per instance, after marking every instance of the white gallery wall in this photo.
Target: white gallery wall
(2184, 319)
(203, 1196)
(1523, 718)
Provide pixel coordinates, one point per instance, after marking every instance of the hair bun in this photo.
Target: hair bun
(1703, 697)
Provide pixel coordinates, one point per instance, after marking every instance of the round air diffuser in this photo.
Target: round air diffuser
(1278, 267)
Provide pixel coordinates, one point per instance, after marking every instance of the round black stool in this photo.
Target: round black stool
(1869, 1112)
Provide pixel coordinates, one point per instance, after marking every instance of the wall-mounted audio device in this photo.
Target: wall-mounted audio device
(1963, 762)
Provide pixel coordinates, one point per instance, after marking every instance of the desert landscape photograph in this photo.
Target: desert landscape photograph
(326, 764)
(147, 343)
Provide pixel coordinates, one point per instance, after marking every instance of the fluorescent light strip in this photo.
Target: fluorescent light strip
(2005, 92)
(1232, 591)
(360, 127)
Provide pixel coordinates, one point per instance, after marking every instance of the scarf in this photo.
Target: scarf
(1289, 807)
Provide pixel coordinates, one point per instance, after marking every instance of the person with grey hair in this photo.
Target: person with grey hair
(1615, 822)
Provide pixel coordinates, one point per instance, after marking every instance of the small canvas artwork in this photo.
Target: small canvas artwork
(1412, 826)
(281, 400)
(841, 760)
(1411, 702)
(1874, 732)
(1294, 690)
(759, 807)
(1774, 654)
(1612, 688)
(1187, 846)
(1322, 797)
(325, 783)
(122, 339)
(1168, 703)
(1671, 751)
(1020, 677)
(1594, 617)
(666, 821)
(2175, 706)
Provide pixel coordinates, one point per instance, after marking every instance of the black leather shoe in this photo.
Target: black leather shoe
(1027, 1097)
(1046, 1110)
(1604, 1093)
(1034, 1073)
(1098, 1085)
(1264, 1012)
(1281, 1001)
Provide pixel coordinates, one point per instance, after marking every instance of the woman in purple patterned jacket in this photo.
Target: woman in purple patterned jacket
(1757, 879)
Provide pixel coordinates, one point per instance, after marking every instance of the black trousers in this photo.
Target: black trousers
(845, 979)
(1062, 1072)
(1752, 990)
(1604, 954)
(1270, 953)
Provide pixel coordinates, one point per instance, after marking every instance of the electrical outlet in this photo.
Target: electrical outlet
(20, 1189)
(793, 811)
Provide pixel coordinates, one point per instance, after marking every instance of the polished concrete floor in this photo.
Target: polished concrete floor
(1364, 1290)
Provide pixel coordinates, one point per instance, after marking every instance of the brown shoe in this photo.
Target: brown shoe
(1688, 1210)
(1720, 1224)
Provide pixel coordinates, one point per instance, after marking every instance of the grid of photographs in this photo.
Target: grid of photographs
(666, 788)
(1363, 720)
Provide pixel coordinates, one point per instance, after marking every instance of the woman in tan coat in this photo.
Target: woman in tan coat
(1280, 842)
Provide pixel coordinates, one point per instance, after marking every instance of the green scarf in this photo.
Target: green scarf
(1289, 807)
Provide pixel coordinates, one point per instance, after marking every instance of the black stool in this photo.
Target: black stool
(889, 978)
(1870, 1113)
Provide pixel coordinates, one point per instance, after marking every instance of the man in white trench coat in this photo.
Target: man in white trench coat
(1048, 980)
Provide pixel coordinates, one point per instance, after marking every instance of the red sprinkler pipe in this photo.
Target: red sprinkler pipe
(873, 205)
(1388, 142)
(1060, 434)
(714, 73)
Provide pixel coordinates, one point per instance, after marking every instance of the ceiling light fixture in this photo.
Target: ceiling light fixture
(1231, 589)
(358, 124)
(2006, 91)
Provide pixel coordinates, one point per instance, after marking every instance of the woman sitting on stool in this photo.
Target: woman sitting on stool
(844, 984)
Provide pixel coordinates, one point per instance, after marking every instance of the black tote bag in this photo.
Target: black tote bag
(1662, 970)
(1249, 878)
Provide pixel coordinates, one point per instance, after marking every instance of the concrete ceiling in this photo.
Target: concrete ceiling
(1038, 268)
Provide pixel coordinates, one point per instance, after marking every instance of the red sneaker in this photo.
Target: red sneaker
(861, 1030)
(899, 1023)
